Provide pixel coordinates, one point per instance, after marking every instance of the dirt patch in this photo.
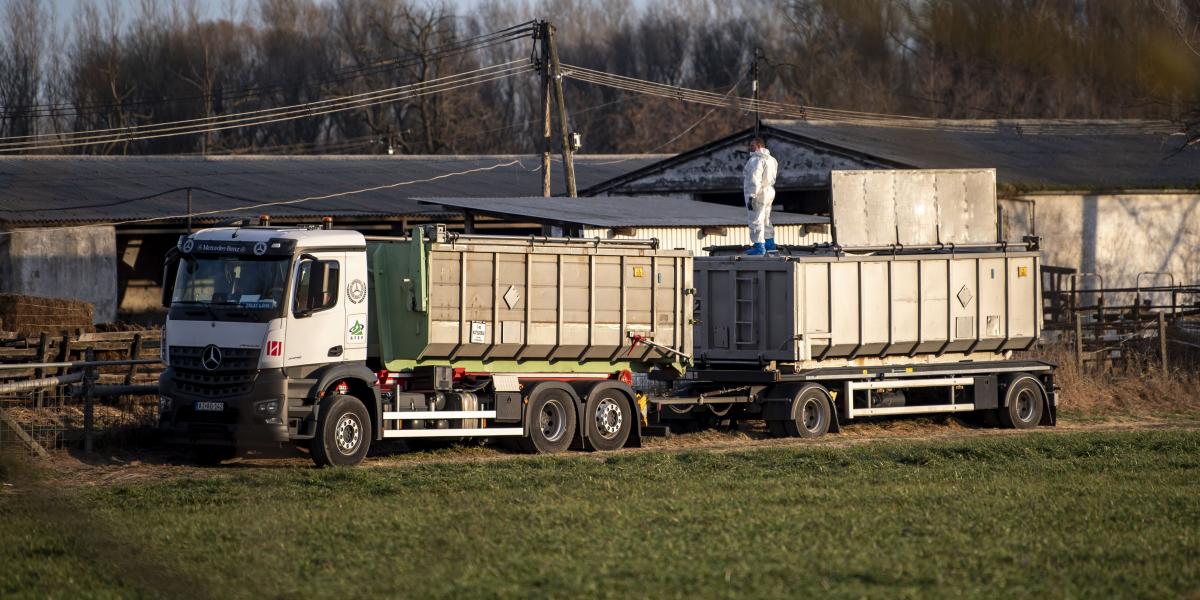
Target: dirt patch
(75, 469)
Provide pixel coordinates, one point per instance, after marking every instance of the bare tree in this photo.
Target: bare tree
(1184, 19)
(21, 66)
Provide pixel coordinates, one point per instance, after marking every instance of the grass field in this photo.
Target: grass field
(1058, 515)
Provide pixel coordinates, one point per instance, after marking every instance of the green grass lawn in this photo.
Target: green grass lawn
(1067, 515)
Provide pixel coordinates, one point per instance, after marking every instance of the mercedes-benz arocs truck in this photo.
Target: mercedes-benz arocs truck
(331, 340)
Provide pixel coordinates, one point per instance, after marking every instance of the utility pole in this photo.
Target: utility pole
(757, 119)
(544, 35)
(568, 162)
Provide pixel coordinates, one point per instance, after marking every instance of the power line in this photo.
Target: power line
(815, 113)
(708, 114)
(480, 42)
(262, 111)
(311, 109)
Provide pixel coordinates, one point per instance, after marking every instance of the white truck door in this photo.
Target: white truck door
(355, 286)
(317, 312)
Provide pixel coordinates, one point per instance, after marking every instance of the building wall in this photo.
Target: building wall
(694, 239)
(1116, 235)
(78, 263)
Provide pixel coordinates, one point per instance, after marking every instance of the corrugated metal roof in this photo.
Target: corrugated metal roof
(49, 189)
(1057, 154)
(619, 211)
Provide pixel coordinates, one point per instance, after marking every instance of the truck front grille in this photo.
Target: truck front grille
(234, 377)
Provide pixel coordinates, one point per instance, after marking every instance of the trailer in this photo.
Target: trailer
(916, 307)
(818, 337)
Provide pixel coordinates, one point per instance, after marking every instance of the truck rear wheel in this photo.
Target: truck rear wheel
(1024, 400)
(343, 433)
(608, 419)
(550, 422)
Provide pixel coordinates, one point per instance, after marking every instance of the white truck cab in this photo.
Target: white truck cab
(260, 317)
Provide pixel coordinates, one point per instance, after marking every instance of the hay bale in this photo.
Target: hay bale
(31, 315)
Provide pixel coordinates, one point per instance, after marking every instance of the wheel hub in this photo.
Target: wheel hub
(810, 415)
(551, 420)
(1024, 405)
(609, 418)
(347, 434)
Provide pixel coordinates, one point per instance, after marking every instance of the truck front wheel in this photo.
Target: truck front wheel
(343, 433)
(550, 422)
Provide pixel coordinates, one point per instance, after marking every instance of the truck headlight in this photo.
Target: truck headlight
(268, 410)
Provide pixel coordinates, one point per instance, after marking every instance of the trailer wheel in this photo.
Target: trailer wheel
(608, 419)
(811, 413)
(550, 422)
(343, 433)
(1024, 400)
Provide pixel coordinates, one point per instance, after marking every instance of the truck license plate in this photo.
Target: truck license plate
(210, 406)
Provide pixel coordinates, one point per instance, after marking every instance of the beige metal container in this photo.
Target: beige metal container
(842, 309)
(528, 304)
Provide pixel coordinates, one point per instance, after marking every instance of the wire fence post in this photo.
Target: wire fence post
(1078, 340)
(1162, 339)
(89, 379)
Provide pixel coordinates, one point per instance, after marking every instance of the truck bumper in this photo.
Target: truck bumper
(236, 423)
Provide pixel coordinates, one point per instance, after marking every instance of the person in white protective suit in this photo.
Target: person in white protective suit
(758, 184)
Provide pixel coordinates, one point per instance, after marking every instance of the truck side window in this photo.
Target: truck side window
(316, 286)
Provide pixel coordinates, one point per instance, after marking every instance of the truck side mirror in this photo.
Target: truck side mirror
(170, 271)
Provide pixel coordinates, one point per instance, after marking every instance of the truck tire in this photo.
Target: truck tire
(811, 413)
(343, 433)
(1024, 400)
(212, 456)
(550, 422)
(608, 419)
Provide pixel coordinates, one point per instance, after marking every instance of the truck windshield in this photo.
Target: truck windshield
(231, 281)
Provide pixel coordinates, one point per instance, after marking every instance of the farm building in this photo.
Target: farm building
(677, 223)
(1119, 198)
(97, 228)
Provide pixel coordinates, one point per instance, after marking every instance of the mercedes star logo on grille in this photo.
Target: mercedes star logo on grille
(211, 357)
